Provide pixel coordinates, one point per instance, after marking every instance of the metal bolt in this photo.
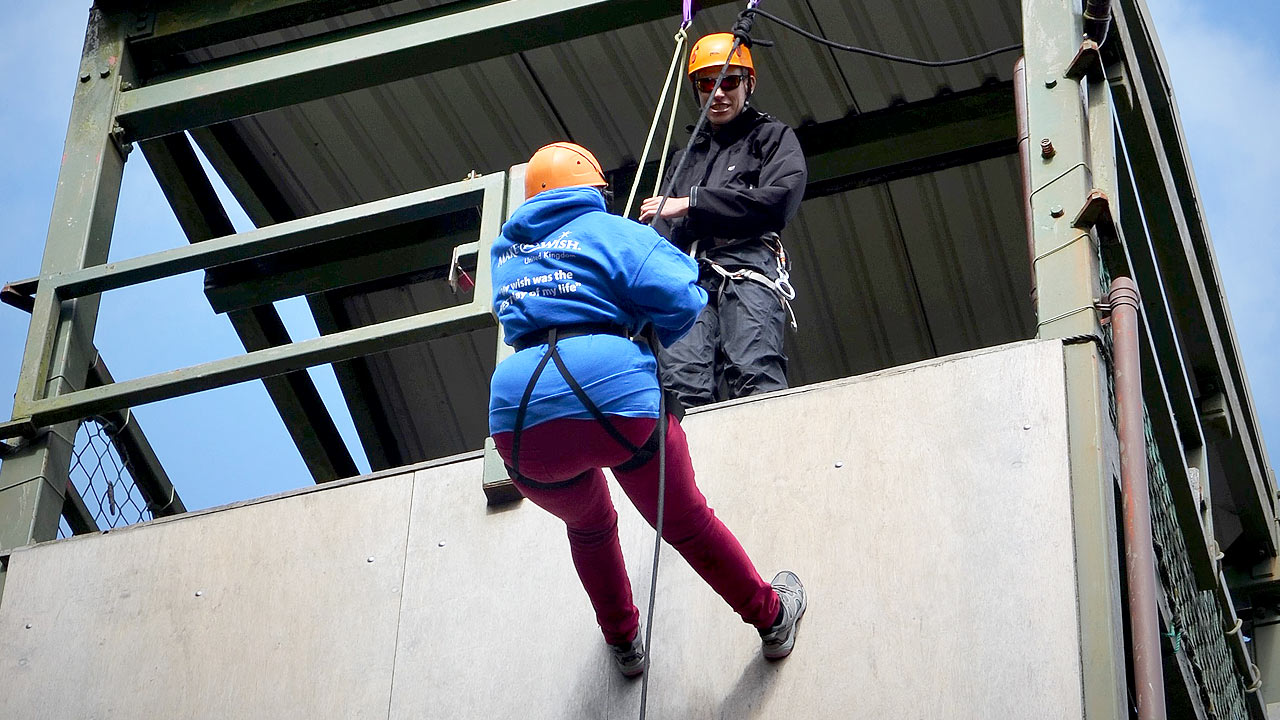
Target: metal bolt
(1056, 211)
(126, 85)
(28, 626)
(839, 464)
(370, 559)
(1050, 81)
(440, 544)
(1026, 427)
(104, 72)
(84, 76)
(1046, 149)
(199, 593)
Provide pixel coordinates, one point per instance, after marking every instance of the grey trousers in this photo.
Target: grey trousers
(738, 339)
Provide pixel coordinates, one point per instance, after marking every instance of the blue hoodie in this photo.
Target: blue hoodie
(563, 260)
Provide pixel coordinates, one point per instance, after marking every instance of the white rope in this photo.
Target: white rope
(672, 72)
(666, 143)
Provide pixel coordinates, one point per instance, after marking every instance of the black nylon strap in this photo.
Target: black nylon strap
(523, 408)
(542, 337)
(590, 406)
(639, 455)
(644, 454)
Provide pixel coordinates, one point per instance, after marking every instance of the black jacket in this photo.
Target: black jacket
(743, 180)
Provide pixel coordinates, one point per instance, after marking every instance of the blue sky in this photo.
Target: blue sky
(229, 444)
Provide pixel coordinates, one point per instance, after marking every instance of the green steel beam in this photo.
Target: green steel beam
(358, 390)
(1140, 253)
(180, 25)
(292, 235)
(259, 364)
(33, 480)
(395, 53)
(264, 203)
(136, 451)
(381, 255)
(78, 515)
(1175, 422)
(1169, 195)
(1095, 473)
(894, 143)
(278, 360)
(908, 140)
(1067, 281)
(161, 67)
(202, 217)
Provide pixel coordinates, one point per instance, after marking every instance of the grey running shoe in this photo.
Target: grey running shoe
(778, 640)
(629, 657)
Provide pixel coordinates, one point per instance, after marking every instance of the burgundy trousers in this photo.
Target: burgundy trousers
(558, 450)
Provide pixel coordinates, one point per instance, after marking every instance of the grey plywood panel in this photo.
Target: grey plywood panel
(927, 509)
(291, 620)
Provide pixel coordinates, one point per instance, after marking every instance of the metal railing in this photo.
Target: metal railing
(485, 192)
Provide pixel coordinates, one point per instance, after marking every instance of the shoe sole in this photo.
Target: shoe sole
(785, 649)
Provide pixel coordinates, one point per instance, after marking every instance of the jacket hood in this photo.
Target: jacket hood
(548, 211)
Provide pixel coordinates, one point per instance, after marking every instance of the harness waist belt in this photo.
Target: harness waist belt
(540, 337)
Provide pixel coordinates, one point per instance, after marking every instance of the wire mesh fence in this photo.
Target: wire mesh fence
(102, 477)
(1198, 627)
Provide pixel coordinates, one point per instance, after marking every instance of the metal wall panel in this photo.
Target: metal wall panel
(273, 609)
(927, 509)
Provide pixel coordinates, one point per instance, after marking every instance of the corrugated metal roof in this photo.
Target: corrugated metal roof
(887, 275)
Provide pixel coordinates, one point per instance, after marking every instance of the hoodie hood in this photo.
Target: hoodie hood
(548, 211)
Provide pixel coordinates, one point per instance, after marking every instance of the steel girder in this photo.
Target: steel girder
(33, 480)
(404, 48)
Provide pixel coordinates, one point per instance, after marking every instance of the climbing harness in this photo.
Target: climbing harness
(640, 454)
(781, 286)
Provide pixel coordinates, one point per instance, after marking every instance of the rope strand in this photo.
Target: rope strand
(672, 72)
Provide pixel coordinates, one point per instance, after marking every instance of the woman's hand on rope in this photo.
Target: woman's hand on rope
(674, 207)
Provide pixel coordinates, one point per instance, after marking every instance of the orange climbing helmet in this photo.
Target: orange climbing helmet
(711, 51)
(561, 164)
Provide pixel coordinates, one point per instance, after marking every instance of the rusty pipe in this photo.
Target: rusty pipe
(1140, 560)
(1024, 158)
(1097, 20)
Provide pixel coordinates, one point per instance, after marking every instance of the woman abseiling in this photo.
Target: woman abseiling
(572, 285)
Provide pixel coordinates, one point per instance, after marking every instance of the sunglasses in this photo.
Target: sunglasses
(729, 84)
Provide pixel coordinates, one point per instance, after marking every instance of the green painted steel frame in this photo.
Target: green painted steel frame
(33, 480)
(1065, 112)
(487, 191)
(1185, 257)
(202, 217)
(393, 53)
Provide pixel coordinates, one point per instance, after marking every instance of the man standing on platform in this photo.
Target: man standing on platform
(742, 183)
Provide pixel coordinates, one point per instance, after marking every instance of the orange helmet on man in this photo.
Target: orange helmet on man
(560, 165)
(711, 51)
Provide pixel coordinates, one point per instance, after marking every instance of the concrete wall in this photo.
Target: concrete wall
(927, 509)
